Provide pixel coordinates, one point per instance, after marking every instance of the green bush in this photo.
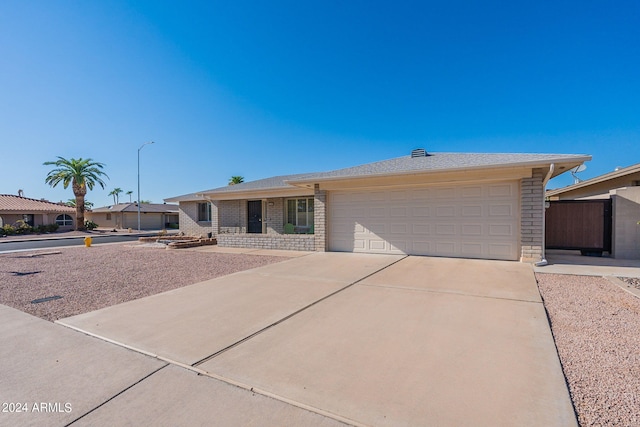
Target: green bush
(22, 227)
(90, 225)
(7, 230)
(49, 228)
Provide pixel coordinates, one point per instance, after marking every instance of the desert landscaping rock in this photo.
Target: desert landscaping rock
(596, 326)
(631, 281)
(88, 279)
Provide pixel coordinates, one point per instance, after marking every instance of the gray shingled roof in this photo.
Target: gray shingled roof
(398, 166)
(442, 162)
(144, 207)
(272, 183)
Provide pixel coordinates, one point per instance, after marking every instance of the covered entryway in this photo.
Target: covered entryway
(254, 216)
(470, 221)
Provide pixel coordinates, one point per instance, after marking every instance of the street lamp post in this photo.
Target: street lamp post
(141, 147)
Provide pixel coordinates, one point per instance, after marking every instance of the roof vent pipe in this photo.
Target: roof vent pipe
(419, 152)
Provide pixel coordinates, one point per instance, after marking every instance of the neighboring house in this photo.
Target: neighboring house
(35, 212)
(622, 187)
(125, 215)
(441, 204)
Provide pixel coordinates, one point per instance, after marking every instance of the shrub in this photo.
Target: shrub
(7, 230)
(52, 228)
(90, 225)
(22, 227)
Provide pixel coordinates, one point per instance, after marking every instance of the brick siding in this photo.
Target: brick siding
(291, 242)
(320, 219)
(189, 223)
(531, 217)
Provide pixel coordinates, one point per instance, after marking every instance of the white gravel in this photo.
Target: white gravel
(103, 275)
(596, 326)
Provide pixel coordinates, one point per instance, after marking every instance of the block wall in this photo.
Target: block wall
(531, 217)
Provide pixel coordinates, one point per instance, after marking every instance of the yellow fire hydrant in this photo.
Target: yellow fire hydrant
(87, 242)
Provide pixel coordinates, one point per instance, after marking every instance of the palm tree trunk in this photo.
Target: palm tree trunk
(79, 191)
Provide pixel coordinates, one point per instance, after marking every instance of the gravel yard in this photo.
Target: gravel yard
(596, 326)
(103, 275)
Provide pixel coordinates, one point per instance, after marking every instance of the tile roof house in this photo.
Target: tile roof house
(153, 216)
(442, 204)
(35, 212)
(622, 188)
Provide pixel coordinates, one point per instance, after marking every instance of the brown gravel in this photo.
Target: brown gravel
(596, 326)
(103, 275)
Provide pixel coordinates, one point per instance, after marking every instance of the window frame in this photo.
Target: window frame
(204, 214)
(309, 208)
(64, 221)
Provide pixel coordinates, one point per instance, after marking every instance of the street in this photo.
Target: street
(56, 243)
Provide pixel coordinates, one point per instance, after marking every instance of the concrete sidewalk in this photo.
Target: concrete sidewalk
(360, 339)
(571, 262)
(54, 376)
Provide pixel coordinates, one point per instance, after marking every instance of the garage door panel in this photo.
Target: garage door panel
(378, 228)
(446, 229)
(501, 190)
(398, 228)
(421, 211)
(445, 248)
(472, 249)
(499, 251)
(445, 211)
(476, 221)
(471, 230)
(471, 211)
(444, 193)
(505, 210)
(358, 228)
(420, 195)
(418, 228)
(474, 191)
(377, 245)
(500, 230)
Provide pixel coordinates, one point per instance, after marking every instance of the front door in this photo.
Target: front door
(254, 214)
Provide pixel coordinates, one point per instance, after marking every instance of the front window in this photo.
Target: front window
(28, 219)
(64, 220)
(300, 214)
(204, 212)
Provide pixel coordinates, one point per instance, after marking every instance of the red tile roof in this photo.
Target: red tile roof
(17, 204)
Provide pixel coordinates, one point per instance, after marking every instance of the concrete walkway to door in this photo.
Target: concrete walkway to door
(360, 339)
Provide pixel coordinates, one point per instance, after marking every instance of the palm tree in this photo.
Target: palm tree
(116, 195)
(129, 193)
(236, 180)
(87, 204)
(81, 174)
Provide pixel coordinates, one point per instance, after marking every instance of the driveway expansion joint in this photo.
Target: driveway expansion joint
(117, 394)
(277, 397)
(432, 291)
(237, 343)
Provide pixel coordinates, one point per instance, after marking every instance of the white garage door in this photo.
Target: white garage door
(470, 221)
(147, 221)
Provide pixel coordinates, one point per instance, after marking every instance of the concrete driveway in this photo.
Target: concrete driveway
(359, 339)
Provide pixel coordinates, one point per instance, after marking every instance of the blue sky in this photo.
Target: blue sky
(257, 88)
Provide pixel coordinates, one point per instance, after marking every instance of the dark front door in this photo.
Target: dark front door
(254, 213)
